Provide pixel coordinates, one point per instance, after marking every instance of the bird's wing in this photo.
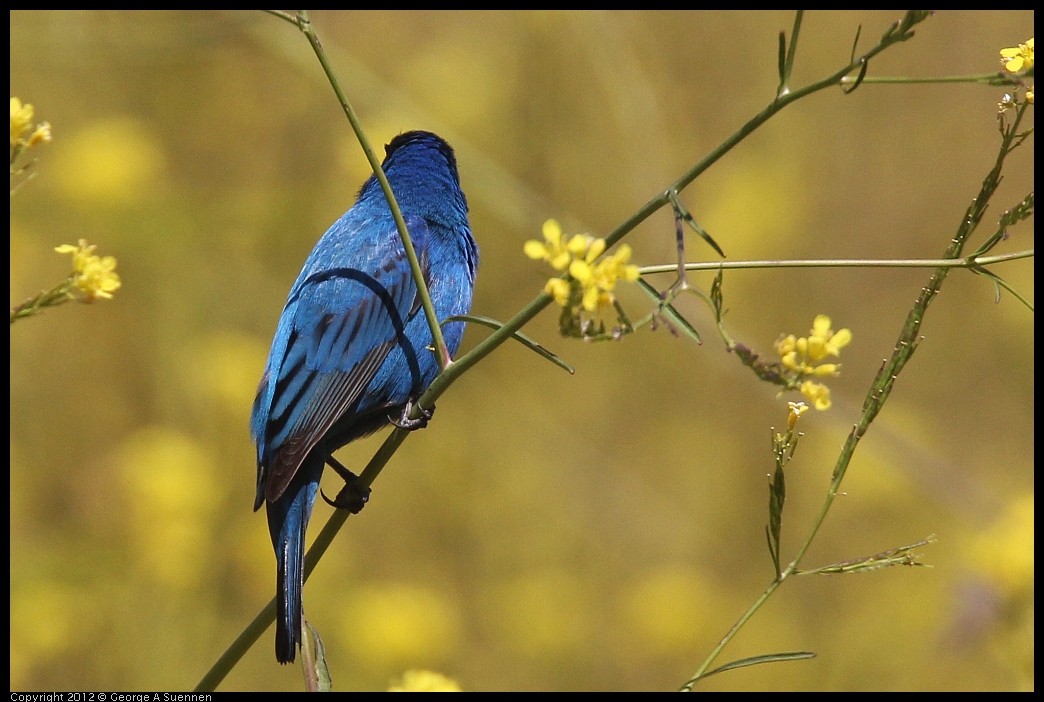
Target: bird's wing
(346, 321)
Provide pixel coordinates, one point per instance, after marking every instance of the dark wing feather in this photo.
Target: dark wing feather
(346, 322)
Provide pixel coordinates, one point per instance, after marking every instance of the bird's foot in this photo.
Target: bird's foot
(351, 497)
(404, 421)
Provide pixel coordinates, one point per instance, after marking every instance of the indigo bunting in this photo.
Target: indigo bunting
(350, 351)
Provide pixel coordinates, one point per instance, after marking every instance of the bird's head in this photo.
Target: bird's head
(422, 170)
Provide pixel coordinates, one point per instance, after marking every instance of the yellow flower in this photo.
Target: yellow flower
(796, 410)
(790, 360)
(597, 247)
(838, 341)
(80, 253)
(42, 134)
(558, 289)
(599, 280)
(99, 278)
(21, 119)
(1018, 58)
(551, 249)
(582, 271)
(22, 122)
(817, 394)
(425, 681)
(824, 341)
(94, 275)
(785, 345)
(1029, 96)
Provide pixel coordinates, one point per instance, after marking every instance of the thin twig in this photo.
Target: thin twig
(842, 263)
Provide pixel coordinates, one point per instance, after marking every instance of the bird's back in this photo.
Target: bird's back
(351, 345)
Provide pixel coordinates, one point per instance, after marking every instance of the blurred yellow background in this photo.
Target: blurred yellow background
(591, 532)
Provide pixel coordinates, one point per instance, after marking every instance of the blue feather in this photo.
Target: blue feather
(350, 349)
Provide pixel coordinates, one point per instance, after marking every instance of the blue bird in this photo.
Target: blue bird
(351, 352)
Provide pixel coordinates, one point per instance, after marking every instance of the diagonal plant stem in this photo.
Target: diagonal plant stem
(885, 379)
(898, 32)
(59, 294)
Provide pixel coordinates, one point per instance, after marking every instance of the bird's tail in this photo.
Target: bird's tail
(287, 523)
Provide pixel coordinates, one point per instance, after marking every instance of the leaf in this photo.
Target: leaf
(313, 661)
(1013, 216)
(777, 497)
(687, 216)
(716, 297)
(669, 310)
(755, 660)
(978, 270)
(901, 556)
(782, 57)
(773, 553)
(518, 336)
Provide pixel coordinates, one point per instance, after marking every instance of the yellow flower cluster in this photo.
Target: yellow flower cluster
(804, 355)
(1018, 58)
(593, 281)
(94, 275)
(22, 122)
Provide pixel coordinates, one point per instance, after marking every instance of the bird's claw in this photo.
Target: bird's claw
(405, 422)
(351, 497)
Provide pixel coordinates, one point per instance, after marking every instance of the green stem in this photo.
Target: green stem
(57, 295)
(843, 263)
(994, 79)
